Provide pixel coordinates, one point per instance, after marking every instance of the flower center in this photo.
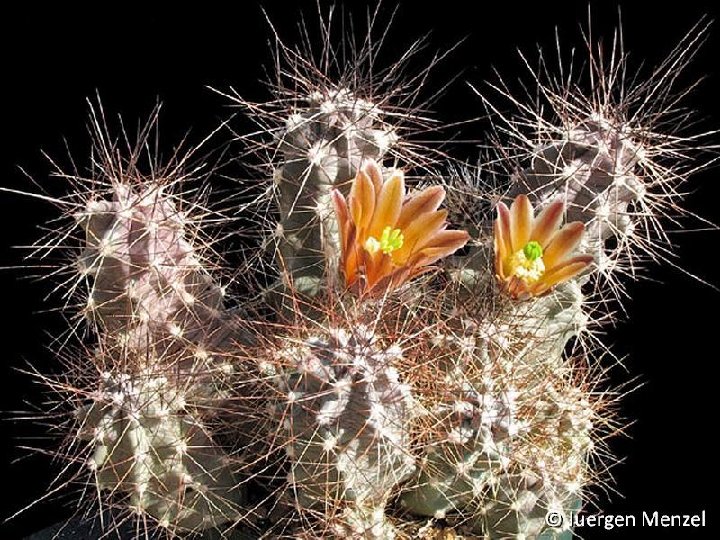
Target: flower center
(527, 263)
(532, 250)
(390, 240)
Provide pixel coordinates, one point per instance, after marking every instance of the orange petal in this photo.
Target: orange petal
(448, 239)
(428, 200)
(351, 257)
(514, 287)
(424, 257)
(366, 266)
(362, 201)
(429, 256)
(503, 221)
(372, 169)
(547, 223)
(517, 288)
(384, 266)
(445, 243)
(377, 266)
(501, 252)
(565, 271)
(389, 203)
(402, 275)
(341, 214)
(562, 244)
(398, 277)
(521, 218)
(418, 233)
(386, 284)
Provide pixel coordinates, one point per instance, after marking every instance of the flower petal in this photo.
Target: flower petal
(563, 272)
(418, 233)
(341, 213)
(399, 277)
(500, 248)
(504, 224)
(366, 266)
(517, 288)
(547, 223)
(445, 243)
(521, 219)
(563, 243)
(362, 201)
(428, 200)
(454, 239)
(353, 256)
(389, 204)
(372, 169)
(374, 206)
(378, 266)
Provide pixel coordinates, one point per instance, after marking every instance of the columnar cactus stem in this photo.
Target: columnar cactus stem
(344, 415)
(152, 452)
(594, 168)
(149, 287)
(163, 355)
(496, 372)
(322, 147)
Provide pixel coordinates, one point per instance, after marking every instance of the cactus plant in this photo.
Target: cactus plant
(417, 354)
(323, 145)
(343, 412)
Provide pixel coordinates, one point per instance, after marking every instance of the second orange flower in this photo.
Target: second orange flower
(534, 254)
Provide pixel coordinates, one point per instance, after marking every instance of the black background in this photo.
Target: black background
(51, 59)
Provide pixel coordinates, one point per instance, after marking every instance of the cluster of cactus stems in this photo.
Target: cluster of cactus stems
(410, 370)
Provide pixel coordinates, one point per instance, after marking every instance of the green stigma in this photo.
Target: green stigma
(391, 240)
(533, 250)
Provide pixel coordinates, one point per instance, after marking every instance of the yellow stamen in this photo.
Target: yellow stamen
(390, 240)
(527, 263)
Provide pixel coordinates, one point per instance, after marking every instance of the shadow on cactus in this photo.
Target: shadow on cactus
(394, 365)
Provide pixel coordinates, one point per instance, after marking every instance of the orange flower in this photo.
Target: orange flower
(532, 254)
(386, 237)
